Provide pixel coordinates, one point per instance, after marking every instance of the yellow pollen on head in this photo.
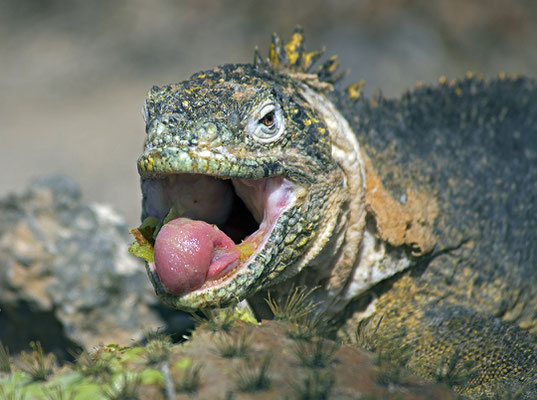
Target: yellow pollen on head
(148, 164)
(354, 91)
(273, 55)
(292, 47)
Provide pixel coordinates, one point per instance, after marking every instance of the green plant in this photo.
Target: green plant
(10, 395)
(233, 345)
(37, 364)
(392, 358)
(316, 385)
(295, 308)
(394, 351)
(124, 388)
(57, 392)
(454, 371)
(158, 348)
(93, 365)
(255, 379)
(216, 320)
(313, 325)
(190, 379)
(318, 353)
(363, 338)
(392, 375)
(5, 359)
(229, 395)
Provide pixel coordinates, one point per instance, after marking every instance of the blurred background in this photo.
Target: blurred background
(74, 74)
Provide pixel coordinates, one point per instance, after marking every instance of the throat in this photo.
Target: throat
(241, 222)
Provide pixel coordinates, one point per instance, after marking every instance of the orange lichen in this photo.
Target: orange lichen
(399, 224)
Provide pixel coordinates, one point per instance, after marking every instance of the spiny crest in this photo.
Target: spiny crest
(297, 62)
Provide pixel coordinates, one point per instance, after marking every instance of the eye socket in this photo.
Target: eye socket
(267, 125)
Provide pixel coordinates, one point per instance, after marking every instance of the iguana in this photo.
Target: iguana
(415, 218)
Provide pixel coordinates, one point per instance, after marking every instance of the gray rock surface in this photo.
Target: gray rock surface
(66, 278)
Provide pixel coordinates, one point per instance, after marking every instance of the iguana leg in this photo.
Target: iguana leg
(446, 342)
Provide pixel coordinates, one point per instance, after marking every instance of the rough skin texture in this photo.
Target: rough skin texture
(468, 304)
(472, 143)
(223, 100)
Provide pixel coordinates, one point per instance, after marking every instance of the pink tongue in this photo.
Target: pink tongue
(188, 252)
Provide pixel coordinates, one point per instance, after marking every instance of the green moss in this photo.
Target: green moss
(151, 376)
(10, 392)
(20, 385)
(58, 392)
(183, 363)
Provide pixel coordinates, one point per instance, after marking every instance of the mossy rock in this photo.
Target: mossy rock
(232, 360)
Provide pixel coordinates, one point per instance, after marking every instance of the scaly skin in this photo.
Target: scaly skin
(469, 298)
(471, 143)
(202, 134)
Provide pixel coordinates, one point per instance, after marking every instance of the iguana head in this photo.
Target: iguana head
(258, 151)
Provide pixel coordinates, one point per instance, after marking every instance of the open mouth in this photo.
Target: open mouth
(223, 224)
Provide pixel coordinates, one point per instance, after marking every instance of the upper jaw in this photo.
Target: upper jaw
(220, 164)
(223, 162)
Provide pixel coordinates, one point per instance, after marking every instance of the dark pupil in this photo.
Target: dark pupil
(268, 120)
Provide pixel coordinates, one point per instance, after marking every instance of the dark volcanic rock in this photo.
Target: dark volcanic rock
(66, 278)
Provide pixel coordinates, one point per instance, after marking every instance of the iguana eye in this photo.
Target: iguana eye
(266, 125)
(268, 119)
